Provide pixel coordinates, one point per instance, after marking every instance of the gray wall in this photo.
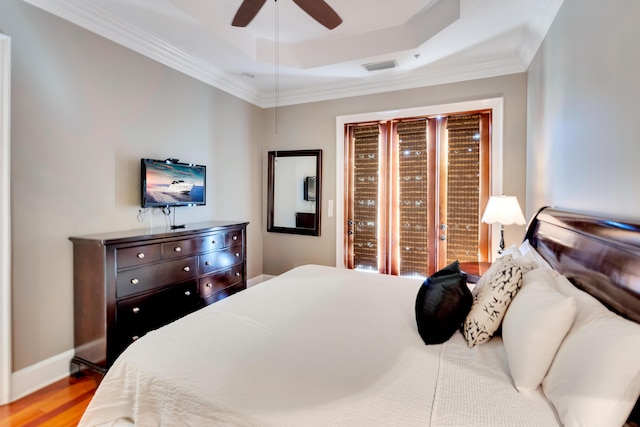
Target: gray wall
(582, 141)
(313, 125)
(84, 111)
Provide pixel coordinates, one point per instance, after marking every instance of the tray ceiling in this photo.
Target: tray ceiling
(405, 43)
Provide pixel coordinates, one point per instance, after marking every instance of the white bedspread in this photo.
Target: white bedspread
(316, 346)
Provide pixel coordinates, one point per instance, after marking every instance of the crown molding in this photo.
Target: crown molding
(95, 18)
(542, 18)
(431, 75)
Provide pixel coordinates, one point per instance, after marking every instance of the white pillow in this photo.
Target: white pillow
(529, 257)
(594, 379)
(497, 287)
(511, 250)
(534, 326)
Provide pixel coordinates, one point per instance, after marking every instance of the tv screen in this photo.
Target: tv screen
(168, 183)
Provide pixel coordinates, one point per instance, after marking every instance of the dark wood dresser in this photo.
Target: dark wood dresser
(128, 283)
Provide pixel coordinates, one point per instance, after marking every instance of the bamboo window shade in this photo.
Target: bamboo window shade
(413, 212)
(365, 192)
(463, 188)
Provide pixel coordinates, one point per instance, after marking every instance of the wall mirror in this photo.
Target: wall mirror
(295, 186)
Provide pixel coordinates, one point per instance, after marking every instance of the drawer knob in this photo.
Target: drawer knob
(136, 309)
(237, 274)
(177, 249)
(187, 268)
(187, 293)
(207, 263)
(235, 237)
(237, 255)
(134, 338)
(140, 255)
(213, 242)
(209, 285)
(134, 281)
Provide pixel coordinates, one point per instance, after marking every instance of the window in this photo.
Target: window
(413, 192)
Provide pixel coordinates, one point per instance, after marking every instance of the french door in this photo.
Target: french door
(414, 189)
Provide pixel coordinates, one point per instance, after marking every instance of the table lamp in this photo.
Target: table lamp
(504, 210)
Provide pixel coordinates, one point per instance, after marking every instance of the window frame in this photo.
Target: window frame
(496, 105)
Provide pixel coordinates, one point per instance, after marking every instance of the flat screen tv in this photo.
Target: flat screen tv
(167, 183)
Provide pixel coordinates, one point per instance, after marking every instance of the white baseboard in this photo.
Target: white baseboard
(258, 279)
(34, 377)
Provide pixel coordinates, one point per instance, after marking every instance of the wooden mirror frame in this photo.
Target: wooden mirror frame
(314, 230)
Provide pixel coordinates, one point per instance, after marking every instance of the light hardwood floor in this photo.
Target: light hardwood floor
(60, 404)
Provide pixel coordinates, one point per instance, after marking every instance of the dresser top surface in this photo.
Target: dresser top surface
(141, 234)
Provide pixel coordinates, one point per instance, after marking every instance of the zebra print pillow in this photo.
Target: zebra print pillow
(497, 288)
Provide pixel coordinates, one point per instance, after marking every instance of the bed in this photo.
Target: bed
(323, 346)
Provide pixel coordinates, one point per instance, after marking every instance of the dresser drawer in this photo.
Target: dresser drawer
(212, 242)
(215, 282)
(223, 293)
(138, 315)
(140, 279)
(137, 255)
(220, 259)
(233, 238)
(180, 248)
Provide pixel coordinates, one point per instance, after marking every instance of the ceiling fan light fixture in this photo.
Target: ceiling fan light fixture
(382, 65)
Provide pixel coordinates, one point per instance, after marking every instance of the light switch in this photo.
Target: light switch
(330, 208)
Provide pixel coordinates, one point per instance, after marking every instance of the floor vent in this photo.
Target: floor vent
(377, 66)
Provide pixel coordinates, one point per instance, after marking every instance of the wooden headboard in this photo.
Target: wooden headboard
(599, 255)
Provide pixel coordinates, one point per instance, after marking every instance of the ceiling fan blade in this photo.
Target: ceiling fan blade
(246, 12)
(321, 12)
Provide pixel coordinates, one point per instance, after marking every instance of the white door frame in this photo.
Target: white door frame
(5, 221)
(495, 104)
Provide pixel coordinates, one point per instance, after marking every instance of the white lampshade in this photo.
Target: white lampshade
(503, 210)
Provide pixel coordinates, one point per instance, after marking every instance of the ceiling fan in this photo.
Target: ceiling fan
(317, 9)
